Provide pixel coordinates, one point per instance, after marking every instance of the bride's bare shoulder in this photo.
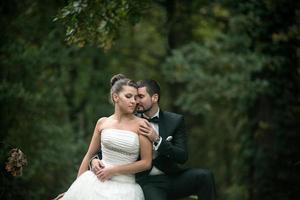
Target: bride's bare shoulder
(140, 122)
(138, 119)
(101, 123)
(101, 120)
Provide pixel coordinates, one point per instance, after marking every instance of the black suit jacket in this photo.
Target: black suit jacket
(174, 152)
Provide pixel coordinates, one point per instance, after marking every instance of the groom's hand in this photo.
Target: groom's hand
(147, 130)
(97, 165)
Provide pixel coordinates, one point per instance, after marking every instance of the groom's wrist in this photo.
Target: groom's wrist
(156, 140)
(157, 143)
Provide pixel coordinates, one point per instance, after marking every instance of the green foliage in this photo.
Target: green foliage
(236, 192)
(273, 134)
(223, 77)
(229, 66)
(213, 74)
(31, 125)
(98, 22)
(44, 95)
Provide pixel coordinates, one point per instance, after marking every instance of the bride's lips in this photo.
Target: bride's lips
(132, 107)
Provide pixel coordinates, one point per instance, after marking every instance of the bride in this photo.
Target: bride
(121, 146)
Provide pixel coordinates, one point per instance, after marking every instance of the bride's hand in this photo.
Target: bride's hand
(105, 174)
(97, 165)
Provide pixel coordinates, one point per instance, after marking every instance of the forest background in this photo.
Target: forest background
(231, 67)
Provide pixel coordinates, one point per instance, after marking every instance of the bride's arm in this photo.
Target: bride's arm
(94, 147)
(140, 165)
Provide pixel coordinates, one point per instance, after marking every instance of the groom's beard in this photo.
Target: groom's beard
(144, 110)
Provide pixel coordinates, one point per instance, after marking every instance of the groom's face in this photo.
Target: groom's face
(144, 100)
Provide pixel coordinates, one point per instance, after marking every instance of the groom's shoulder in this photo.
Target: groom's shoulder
(172, 115)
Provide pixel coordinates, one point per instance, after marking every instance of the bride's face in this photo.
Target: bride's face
(126, 99)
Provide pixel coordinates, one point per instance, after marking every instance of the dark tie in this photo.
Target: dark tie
(154, 120)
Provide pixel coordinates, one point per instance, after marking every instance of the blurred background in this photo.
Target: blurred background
(231, 67)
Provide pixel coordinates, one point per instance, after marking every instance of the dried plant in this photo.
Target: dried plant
(16, 161)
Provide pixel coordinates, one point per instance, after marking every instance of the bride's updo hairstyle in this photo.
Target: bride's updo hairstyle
(117, 82)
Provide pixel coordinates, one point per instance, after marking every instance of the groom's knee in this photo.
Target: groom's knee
(204, 176)
(153, 193)
(199, 177)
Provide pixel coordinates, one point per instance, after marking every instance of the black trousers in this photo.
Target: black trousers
(199, 182)
(155, 187)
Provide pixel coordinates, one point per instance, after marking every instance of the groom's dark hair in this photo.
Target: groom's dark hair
(152, 87)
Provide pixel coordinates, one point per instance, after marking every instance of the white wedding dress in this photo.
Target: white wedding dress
(118, 147)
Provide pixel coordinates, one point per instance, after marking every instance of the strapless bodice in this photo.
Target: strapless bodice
(119, 147)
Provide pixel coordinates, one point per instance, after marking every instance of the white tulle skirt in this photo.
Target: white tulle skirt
(89, 187)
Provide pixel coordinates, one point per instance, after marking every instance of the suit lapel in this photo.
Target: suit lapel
(162, 125)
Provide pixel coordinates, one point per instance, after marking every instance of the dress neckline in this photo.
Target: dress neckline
(131, 132)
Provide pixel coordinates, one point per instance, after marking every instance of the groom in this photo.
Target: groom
(166, 179)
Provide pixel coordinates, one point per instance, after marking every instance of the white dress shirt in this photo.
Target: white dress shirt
(154, 170)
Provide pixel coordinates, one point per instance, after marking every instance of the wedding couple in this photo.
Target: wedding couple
(140, 152)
